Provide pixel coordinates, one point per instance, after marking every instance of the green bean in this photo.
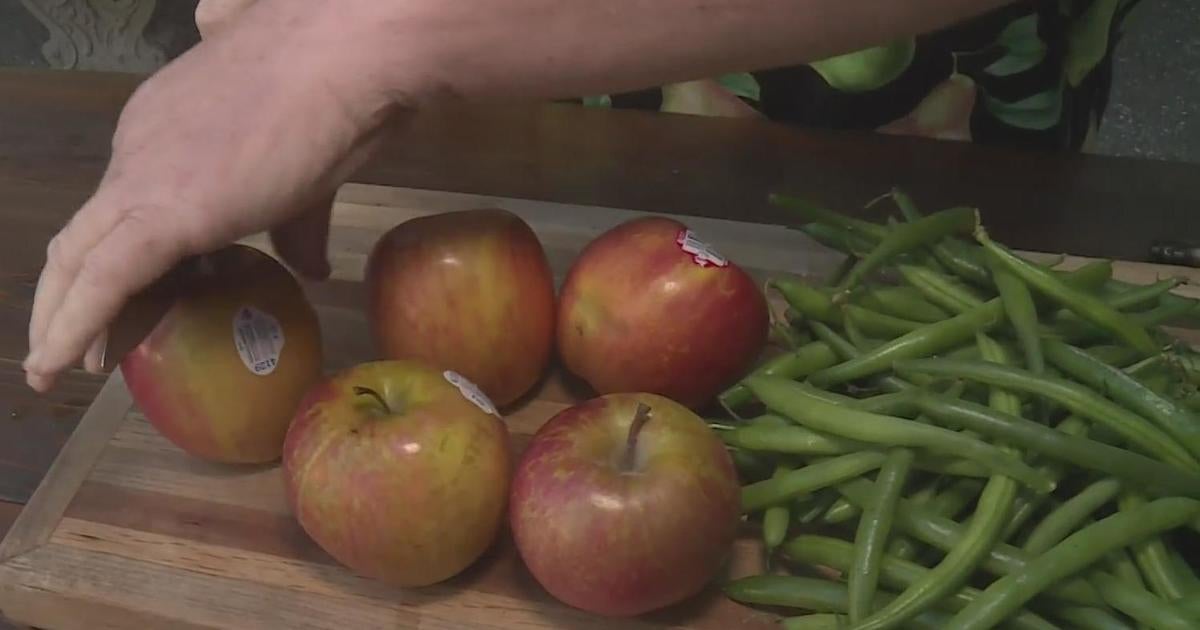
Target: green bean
(842, 269)
(874, 529)
(749, 465)
(1027, 505)
(895, 403)
(927, 340)
(1073, 554)
(798, 363)
(1070, 395)
(1183, 570)
(856, 336)
(902, 546)
(809, 301)
(847, 352)
(1067, 517)
(896, 573)
(940, 289)
(1178, 421)
(1143, 294)
(811, 212)
(957, 256)
(838, 238)
(817, 621)
(954, 570)
(1090, 618)
(761, 494)
(943, 533)
(903, 302)
(821, 505)
(906, 237)
(791, 439)
(1055, 444)
(1088, 277)
(963, 260)
(1115, 355)
(1190, 604)
(1124, 568)
(795, 400)
(957, 496)
(982, 531)
(1022, 315)
(953, 467)
(1084, 304)
(1141, 605)
(1152, 556)
(776, 518)
(811, 594)
(878, 324)
(840, 512)
(783, 335)
(1079, 331)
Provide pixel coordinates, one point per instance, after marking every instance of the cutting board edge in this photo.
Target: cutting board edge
(41, 515)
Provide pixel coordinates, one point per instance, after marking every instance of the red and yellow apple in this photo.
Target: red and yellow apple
(624, 504)
(647, 307)
(221, 373)
(399, 471)
(469, 291)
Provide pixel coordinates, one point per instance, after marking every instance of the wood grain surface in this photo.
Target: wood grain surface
(57, 126)
(150, 535)
(128, 531)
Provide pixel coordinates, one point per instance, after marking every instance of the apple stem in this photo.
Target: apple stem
(367, 391)
(640, 417)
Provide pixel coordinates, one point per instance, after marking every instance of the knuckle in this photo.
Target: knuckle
(56, 256)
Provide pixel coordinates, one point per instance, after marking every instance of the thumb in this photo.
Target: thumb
(302, 240)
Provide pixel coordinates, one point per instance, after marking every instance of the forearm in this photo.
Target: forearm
(540, 49)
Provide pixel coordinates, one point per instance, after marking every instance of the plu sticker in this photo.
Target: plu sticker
(258, 338)
(702, 253)
(471, 392)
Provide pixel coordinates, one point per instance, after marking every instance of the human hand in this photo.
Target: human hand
(253, 129)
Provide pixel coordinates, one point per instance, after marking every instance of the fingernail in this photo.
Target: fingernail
(38, 382)
(31, 360)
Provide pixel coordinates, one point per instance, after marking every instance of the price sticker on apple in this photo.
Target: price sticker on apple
(702, 253)
(471, 392)
(258, 338)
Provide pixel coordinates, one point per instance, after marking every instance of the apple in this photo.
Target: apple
(624, 504)
(400, 471)
(238, 345)
(469, 291)
(648, 307)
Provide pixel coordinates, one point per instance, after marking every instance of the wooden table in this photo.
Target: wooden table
(55, 129)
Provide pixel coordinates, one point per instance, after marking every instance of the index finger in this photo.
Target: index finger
(64, 257)
(133, 254)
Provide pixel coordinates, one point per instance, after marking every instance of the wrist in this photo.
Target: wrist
(340, 52)
(377, 50)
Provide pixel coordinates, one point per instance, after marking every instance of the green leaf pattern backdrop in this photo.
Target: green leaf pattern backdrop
(1032, 74)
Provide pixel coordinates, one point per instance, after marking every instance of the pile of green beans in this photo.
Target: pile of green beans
(967, 438)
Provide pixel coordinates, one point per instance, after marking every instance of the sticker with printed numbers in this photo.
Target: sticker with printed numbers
(702, 253)
(258, 338)
(471, 392)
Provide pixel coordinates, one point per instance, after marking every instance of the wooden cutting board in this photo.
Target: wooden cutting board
(126, 531)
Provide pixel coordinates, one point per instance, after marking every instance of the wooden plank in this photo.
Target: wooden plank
(35, 524)
(8, 514)
(59, 126)
(33, 428)
(133, 592)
